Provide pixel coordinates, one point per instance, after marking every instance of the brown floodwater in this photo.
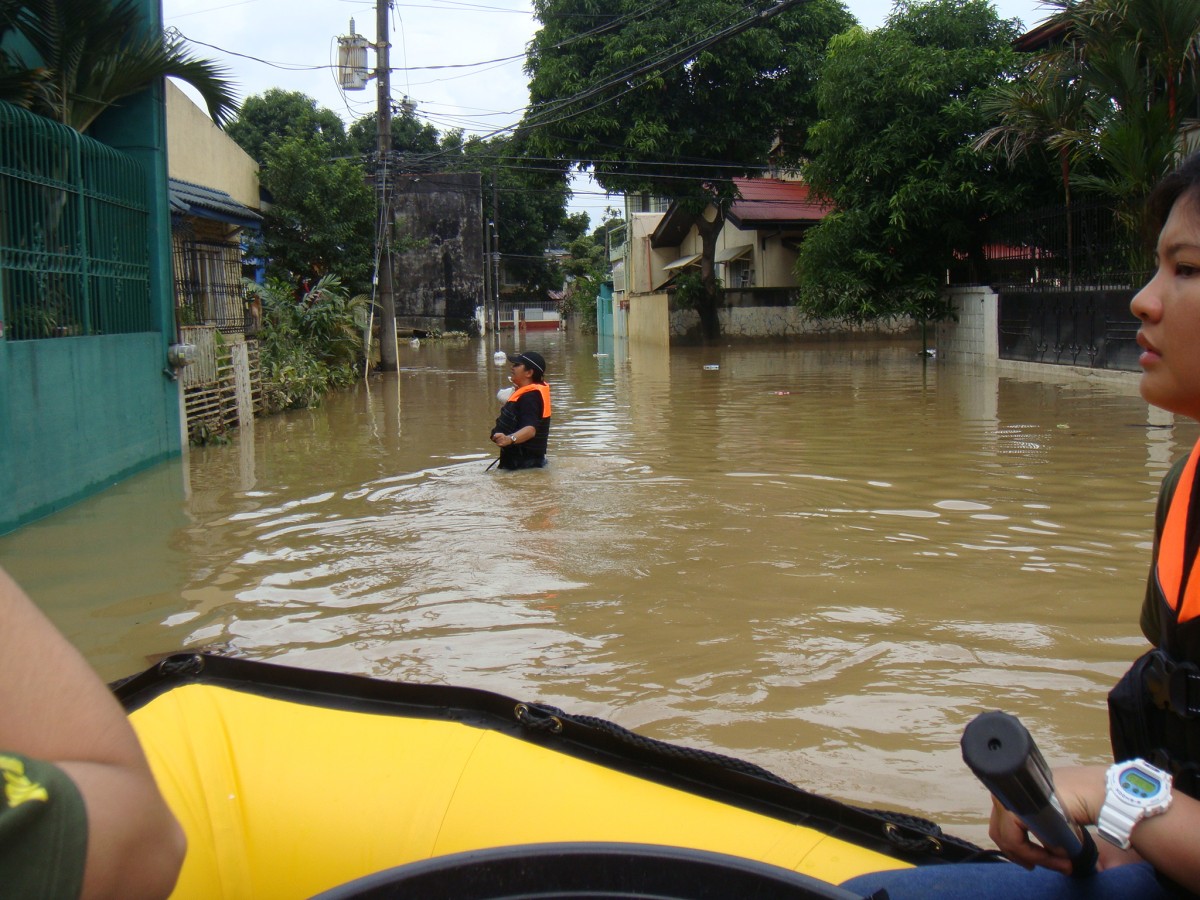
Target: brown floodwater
(823, 558)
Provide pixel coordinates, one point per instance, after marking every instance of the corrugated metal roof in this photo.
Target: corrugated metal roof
(682, 262)
(772, 201)
(189, 199)
(729, 254)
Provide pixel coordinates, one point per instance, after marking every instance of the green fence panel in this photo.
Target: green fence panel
(74, 225)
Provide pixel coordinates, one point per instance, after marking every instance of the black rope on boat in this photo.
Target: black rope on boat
(539, 717)
(540, 711)
(182, 665)
(639, 740)
(929, 837)
(908, 833)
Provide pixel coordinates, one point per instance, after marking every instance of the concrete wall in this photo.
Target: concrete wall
(647, 320)
(783, 321)
(775, 263)
(645, 269)
(974, 339)
(200, 152)
(79, 414)
(974, 336)
(439, 277)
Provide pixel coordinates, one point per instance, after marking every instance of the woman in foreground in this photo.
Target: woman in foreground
(1150, 807)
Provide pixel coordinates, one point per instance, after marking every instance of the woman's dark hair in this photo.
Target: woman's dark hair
(1158, 205)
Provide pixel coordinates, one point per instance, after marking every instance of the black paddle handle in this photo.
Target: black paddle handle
(1003, 755)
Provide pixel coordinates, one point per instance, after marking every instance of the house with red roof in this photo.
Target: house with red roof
(756, 254)
(758, 246)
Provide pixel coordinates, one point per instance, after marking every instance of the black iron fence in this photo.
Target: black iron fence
(1054, 250)
(1091, 328)
(1064, 280)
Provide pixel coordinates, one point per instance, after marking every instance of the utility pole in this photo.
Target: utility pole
(389, 352)
(496, 247)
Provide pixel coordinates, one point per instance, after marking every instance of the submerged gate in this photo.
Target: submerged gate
(1092, 328)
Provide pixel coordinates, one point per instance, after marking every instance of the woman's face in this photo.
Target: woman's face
(1169, 310)
(521, 375)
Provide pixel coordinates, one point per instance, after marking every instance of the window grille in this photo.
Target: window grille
(208, 280)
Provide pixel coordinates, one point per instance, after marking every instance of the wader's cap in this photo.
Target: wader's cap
(530, 360)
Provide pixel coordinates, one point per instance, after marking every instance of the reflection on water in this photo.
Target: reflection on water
(822, 558)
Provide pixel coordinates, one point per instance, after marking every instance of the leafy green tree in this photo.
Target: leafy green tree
(322, 215)
(574, 226)
(1109, 100)
(266, 120)
(1140, 58)
(88, 55)
(900, 111)
(585, 268)
(321, 220)
(525, 199)
(675, 99)
(1048, 109)
(411, 138)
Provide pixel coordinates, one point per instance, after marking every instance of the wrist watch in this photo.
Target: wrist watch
(1136, 791)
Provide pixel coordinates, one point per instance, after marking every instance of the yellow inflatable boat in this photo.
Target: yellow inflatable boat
(291, 783)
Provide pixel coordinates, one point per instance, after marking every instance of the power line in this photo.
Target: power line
(687, 48)
(300, 67)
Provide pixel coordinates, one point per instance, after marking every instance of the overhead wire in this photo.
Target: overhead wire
(678, 54)
(547, 115)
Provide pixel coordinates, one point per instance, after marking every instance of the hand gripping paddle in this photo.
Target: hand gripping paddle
(1002, 754)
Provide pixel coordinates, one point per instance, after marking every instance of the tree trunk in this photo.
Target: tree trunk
(710, 321)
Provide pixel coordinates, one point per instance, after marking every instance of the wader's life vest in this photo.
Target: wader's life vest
(542, 388)
(531, 453)
(1154, 710)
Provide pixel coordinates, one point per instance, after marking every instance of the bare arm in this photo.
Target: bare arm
(1168, 841)
(55, 708)
(517, 437)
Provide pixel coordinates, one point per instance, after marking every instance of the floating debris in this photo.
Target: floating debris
(711, 367)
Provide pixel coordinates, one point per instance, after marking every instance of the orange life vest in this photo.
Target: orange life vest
(542, 388)
(1171, 549)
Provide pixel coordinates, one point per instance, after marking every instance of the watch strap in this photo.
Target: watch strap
(1116, 821)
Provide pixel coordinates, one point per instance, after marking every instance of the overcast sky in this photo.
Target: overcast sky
(460, 62)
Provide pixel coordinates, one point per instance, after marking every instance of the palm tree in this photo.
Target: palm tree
(1143, 55)
(91, 54)
(1159, 37)
(1114, 92)
(1052, 107)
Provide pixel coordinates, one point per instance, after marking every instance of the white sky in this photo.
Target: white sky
(292, 44)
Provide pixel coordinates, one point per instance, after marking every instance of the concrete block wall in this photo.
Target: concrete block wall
(783, 321)
(974, 333)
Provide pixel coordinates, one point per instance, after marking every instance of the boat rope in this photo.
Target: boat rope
(543, 717)
(539, 717)
(907, 833)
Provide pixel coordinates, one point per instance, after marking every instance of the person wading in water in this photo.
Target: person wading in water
(522, 429)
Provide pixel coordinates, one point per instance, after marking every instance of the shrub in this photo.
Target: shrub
(309, 344)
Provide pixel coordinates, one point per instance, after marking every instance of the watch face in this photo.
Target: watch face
(1140, 783)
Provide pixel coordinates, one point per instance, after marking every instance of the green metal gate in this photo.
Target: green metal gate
(74, 224)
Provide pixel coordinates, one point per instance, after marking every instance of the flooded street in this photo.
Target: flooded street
(822, 558)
